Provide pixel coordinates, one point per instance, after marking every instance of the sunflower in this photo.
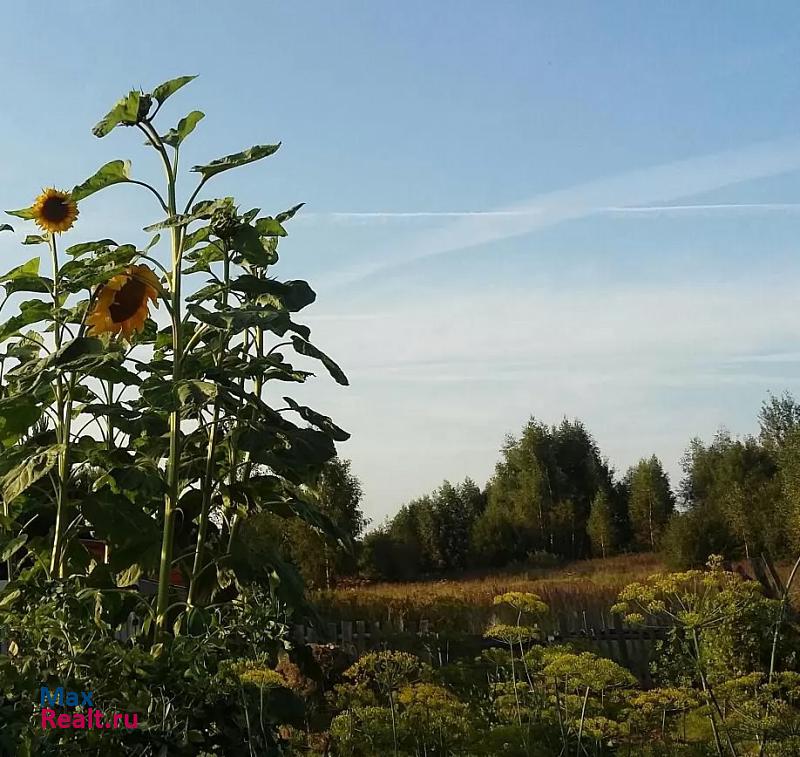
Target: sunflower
(54, 211)
(122, 304)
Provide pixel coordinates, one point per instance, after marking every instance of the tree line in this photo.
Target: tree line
(554, 497)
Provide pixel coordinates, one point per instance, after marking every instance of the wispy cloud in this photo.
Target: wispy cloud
(641, 191)
(390, 215)
(436, 383)
(704, 207)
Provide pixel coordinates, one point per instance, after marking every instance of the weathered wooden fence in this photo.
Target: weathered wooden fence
(628, 646)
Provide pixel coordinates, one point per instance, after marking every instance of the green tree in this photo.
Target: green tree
(431, 534)
(789, 466)
(541, 493)
(650, 502)
(738, 482)
(778, 418)
(441, 524)
(338, 495)
(601, 527)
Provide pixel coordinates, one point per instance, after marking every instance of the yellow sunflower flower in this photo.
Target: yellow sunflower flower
(54, 211)
(123, 303)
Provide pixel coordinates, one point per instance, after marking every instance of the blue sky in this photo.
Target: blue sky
(513, 208)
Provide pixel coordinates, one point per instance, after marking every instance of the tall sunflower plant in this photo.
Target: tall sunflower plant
(140, 434)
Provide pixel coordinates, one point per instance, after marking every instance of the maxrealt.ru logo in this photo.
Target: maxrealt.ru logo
(87, 718)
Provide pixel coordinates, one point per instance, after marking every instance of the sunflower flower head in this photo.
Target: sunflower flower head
(123, 303)
(225, 220)
(54, 211)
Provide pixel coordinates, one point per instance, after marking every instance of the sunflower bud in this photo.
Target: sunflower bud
(225, 221)
(145, 103)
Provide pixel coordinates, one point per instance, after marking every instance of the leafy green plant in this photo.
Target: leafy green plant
(719, 626)
(137, 410)
(211, 691)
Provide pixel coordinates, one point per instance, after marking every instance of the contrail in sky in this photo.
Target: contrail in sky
(637, 209)
(645, 190)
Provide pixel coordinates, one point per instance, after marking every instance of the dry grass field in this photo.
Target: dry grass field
(589, 586)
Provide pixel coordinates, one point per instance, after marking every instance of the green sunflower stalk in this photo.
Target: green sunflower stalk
(150, 431)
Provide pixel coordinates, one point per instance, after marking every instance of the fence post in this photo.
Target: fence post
(360, 634)
(333, 632)
(622, 645)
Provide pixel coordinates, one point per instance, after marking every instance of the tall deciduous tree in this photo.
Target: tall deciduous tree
(601, 527)
(737, 482)
(541, 494)
(650, 501)
(321, 559)
(778, 418)
(431, 534)
(789, 464)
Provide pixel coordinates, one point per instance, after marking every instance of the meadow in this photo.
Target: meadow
(466, 603)
(720, 680)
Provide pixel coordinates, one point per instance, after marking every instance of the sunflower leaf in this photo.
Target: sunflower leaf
(35, 239)
(39, 284)
(168, 88)
(26, 213)
(152, 243)
(28, 472)
(200, 211)
(288, 214)
(248, 243)
(234, 161)
(244, 318)
(31, 311)
(73, 354)
(13, 546)
(185, 127)
(81, 249)
(115, 172)
(124, 524)
(293, 295)
(319, 420)
(29, 268)
(17, 414)
(196, 391)
(309, 350)
(126, 111)
(270, 227)
(6, 227)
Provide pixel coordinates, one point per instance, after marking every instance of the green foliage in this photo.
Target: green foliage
(158, 436)
(541, 494)
(690, 537)
(601, 527)
(525, 603)
(650, 502)
(115, 172)
(714, 693)
(204, 693)
(778, 418)
(735, 487)
(429, 535)
(338, 496)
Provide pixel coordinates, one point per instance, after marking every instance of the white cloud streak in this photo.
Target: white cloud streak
(437, 383)
(389, 215)
(633, 191)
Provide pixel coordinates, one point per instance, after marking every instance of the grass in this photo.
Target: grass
(577, 593)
